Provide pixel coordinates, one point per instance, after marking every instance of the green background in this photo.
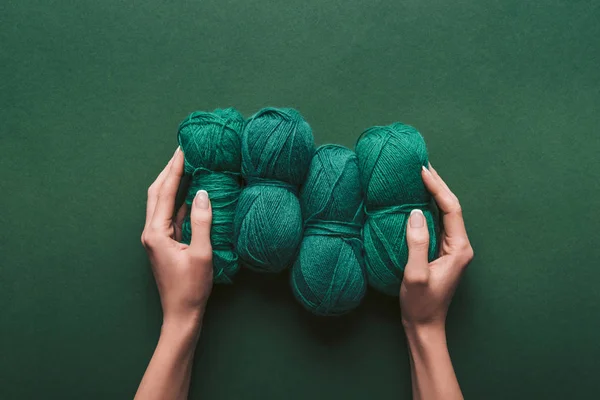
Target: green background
(506, 93)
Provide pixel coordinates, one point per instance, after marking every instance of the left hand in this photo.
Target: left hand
(183, 273)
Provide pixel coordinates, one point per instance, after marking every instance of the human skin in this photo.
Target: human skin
(427, 289)
(183, 275)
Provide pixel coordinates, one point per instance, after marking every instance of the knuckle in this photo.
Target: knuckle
(152, 190)
(462, 243)
(469, 253)
(455, 207)
(201, 220)
(464, 257)
(203, 256)
(156, 226)
(419, 243)
(416, 277)
(150, 238)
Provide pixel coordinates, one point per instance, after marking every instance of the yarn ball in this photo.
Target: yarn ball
(328, 277)
(277, 146)
(390, 160)
(211, 144)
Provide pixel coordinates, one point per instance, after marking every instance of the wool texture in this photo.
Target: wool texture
(211, 144)
(277, 147)
(390, 161)
(328, 277)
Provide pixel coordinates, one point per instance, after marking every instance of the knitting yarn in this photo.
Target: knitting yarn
(277, 146)
(390, 160)
(210, 142)
(328, 277)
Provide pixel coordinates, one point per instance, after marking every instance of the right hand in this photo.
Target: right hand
(427, 288)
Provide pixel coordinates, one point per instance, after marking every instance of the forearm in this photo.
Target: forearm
(169, 372)
(432, 373)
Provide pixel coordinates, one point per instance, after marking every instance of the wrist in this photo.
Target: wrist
(182, 326)
(425, 336)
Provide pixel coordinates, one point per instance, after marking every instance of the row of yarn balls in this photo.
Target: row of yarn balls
(336, 217)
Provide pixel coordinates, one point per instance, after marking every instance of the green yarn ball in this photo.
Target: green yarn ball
(328, 277)
(211, 143)
(277, 146)
(213, 140)
(390, 162)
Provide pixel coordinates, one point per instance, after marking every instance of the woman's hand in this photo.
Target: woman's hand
(427, 288)
(183, 273)
(426, 292)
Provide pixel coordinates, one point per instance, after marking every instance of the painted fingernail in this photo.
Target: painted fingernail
(416, 219)
(202, 199)
(426, 170)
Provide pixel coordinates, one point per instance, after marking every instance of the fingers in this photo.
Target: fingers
(165, 203)
(201, 220)
(154, 189)
(454, 225)
(417, 238)
(438, 177)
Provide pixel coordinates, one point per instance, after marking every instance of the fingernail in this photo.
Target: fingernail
(426, 170)
(416, 219)
(202, 199)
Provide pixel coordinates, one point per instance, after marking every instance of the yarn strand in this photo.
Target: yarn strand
(211, 145)
(328, 277)
(390, 162)
(277, 146)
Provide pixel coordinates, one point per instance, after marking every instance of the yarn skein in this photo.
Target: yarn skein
(277, 146)
(211, 144)
(390, 162)
(328, 277)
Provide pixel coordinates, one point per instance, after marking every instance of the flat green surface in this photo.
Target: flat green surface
(507, 94)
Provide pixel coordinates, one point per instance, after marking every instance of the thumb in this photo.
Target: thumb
(201, 220)
(417, 238)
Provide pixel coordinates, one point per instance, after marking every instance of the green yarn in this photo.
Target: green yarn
(211, 145)
(277, 146)
(390, 162)
(212, 140)
(328, 277)
(270, 227)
